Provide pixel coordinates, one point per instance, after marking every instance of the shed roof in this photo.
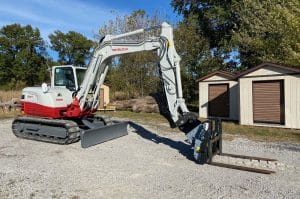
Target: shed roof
(287, 68)
(224, 74)
(231, 76)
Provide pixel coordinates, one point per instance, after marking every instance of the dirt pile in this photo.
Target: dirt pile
(146, 104)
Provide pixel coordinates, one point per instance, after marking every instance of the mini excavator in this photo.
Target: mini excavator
(64, 112)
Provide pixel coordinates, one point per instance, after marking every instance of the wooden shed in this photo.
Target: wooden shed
(270, 96)
(265, 95)
(218, 96)
(104, 96)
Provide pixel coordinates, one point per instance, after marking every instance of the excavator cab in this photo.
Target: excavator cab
(67, 76)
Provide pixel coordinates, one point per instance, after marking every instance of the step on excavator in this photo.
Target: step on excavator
(64, 112)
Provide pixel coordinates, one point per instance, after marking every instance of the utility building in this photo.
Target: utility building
(218, 96)
(265, 95)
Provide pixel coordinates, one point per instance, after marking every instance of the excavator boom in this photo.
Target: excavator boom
(114, 45)
(68, 105)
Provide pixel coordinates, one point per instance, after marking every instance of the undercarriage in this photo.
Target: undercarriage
(91, 130)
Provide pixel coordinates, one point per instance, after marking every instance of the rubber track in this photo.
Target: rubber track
(72, 130)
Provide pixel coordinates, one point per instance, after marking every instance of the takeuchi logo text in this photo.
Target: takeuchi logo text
(119, 49)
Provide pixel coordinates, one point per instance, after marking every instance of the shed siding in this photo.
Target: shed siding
(203, 99)
(234, 100)
(246, 107)
(291, 94)
(295, 102)
(288, 99)
(297, 119)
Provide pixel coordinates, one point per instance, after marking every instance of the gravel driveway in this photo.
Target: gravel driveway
(148, 163)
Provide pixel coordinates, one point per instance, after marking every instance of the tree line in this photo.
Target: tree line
(24, 59)
(212, 35)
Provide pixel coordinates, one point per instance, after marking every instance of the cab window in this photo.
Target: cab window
(80, 75)
(64, 77)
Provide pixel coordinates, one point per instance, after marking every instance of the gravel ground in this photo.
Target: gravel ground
(148, 163)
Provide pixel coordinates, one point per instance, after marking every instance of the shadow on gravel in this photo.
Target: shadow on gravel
(184, 149)
(289, 147)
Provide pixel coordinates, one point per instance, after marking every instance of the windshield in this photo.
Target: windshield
(64, 76)
(80, 76)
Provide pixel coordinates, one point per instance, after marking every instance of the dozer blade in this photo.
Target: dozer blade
(102, 134)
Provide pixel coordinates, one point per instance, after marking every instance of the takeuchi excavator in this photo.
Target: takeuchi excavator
(64, 112)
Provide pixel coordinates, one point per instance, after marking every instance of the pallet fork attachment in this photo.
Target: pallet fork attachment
(208, 143)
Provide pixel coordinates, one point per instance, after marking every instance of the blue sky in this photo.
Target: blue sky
(84, 16)
(78, 15)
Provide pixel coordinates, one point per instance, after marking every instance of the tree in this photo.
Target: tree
(191, 47)
(72, 47)
(137, 73)
(215, 21)
(134, 74)
(22, 56)
(197, 58)
(258, 30)
(268, 31)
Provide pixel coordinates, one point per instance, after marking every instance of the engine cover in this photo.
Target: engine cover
(52, 103)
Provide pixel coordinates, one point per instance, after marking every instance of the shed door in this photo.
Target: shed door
(268, 102)
(218, 96)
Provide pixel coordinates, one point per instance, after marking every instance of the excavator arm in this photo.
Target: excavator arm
(198, 133)
(169, 65)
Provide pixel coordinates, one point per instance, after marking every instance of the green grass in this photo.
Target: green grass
(262, 133)
(229, 128)
(140, 117)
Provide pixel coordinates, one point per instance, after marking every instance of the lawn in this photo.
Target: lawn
(229, 128)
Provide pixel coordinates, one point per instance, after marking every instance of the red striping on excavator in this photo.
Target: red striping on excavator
(35, 109)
